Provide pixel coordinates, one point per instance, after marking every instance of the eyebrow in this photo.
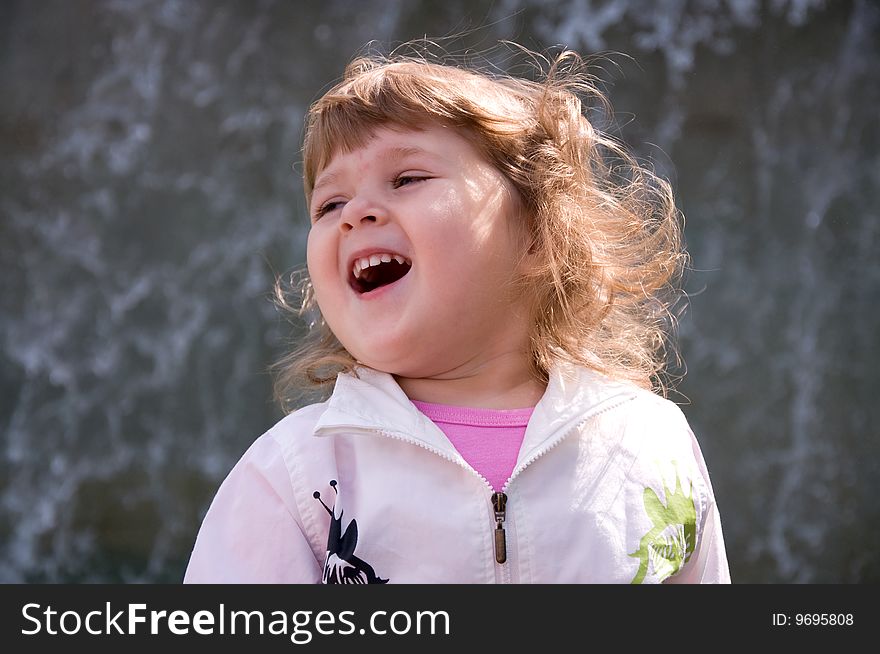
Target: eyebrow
(389, 154)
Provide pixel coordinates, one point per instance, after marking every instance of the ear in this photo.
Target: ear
(530, 248)
(529, 259)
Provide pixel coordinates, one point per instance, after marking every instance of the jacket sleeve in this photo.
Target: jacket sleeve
(708, 563)
(252, 532)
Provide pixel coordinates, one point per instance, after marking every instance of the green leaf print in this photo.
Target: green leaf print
(670, 542)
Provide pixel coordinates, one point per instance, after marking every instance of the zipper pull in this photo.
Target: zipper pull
(499, 503)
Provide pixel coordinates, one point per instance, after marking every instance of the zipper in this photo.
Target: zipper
(500, 514)
(544, 451)
(498, 499)
(402, 437)
(499, 503)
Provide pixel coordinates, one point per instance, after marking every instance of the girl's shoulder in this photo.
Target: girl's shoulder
(619, 400)
(641, 412)
(301, 418)
(653, 439)
(294, 430)
(655, 415)
(268, 455)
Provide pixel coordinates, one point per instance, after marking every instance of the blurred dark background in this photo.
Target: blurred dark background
(148, 201)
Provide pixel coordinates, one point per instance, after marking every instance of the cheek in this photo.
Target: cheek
(448, 224)
(321, 265)
(325, 294)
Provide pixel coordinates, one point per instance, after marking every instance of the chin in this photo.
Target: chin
(395, 369)
(398, 358)
(393, 359)
(382, 366)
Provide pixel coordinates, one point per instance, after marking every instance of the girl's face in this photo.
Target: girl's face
(441, 222)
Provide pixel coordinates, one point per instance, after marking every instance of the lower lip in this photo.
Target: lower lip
(382, 291)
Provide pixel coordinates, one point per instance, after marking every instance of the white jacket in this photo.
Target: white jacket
(609, 487)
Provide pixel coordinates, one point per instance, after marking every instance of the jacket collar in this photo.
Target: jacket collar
(574, 394)
(373, 401)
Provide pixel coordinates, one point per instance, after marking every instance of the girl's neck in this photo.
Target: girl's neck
(502, 383)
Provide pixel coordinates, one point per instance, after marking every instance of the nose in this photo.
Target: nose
(358, 212)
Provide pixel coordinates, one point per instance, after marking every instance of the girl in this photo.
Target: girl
(486, 275)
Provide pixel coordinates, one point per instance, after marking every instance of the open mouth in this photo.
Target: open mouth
(377, 270)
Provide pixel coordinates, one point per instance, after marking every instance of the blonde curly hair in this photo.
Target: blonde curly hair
(604, 227)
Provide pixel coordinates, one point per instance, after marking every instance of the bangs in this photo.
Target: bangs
(403, 94)
(342, 128)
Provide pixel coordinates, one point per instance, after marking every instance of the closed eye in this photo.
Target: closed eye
(402, 180)
(406, 180)
(327, 207)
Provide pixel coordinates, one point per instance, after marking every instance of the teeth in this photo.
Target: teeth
(374, 260)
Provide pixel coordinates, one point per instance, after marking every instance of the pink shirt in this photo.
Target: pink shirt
(488, 439)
